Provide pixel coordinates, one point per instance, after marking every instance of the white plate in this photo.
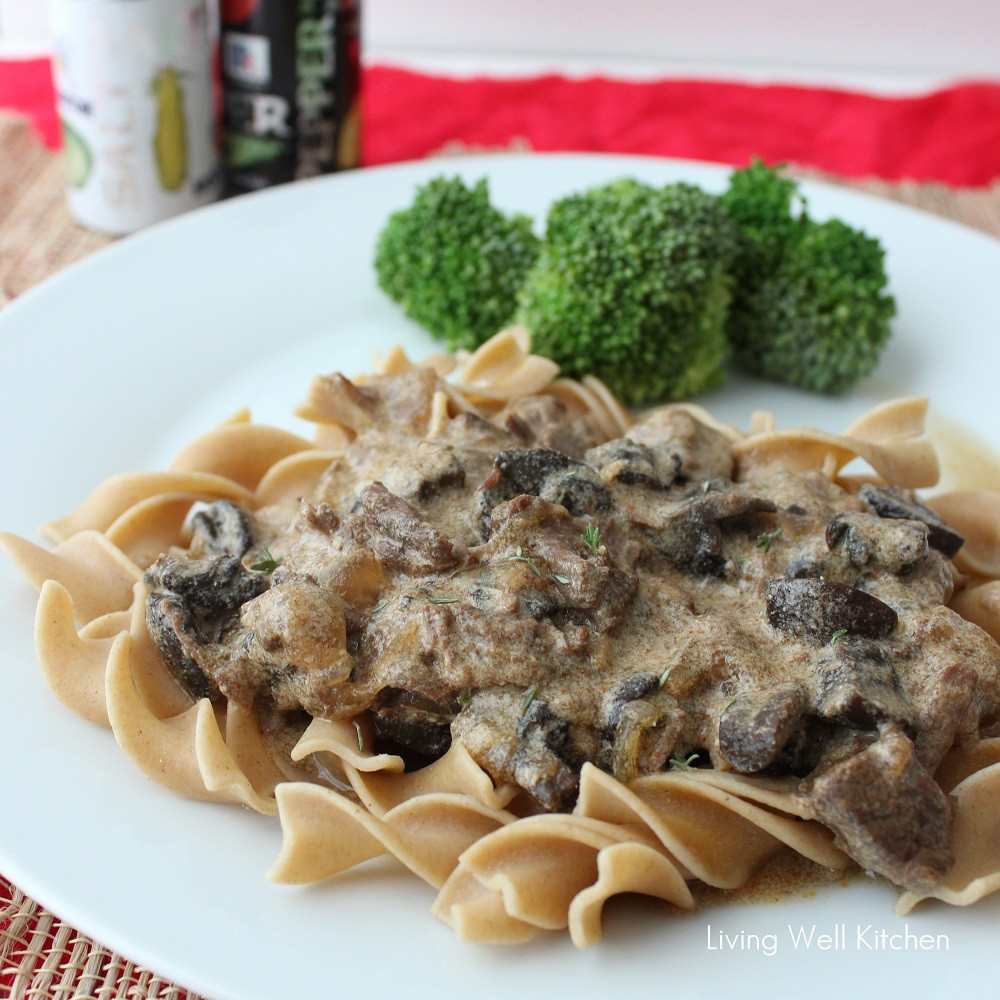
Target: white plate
(122, 359)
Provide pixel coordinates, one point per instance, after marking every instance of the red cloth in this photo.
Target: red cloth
(951, 135)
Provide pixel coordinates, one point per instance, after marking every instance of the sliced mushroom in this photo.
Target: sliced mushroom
(545, 473)
(414, 724)
(900, 547)
(633, 463)
(692, 536)
(222, 528)
(891, 501)
(818, 610)
(213, 584)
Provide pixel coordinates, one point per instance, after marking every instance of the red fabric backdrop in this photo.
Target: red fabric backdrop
(950, 135)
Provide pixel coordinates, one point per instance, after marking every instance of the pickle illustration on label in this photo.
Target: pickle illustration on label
(79, 158)
(170, 141)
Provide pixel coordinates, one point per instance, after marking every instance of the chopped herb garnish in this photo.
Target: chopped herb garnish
(683, 763)
(361, 738)
(520, 557)
(529, 698)
(764, 541)
(706, 485)
(592, 536)
(465, 697)
(665, 676)
(839, 634)
(267, 563)
(729, 706)
(559, 578)
(445, 600)
(379, 607)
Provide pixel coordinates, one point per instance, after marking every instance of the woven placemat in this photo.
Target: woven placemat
(42, 957)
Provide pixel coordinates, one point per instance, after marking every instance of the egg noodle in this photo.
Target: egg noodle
(503, 873)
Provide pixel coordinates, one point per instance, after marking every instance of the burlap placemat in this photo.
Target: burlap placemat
(42, 957)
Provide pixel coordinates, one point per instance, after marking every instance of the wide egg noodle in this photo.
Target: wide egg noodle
(151, 526)
(120, 492)
(98, 576)
(502, 369)
(476, 913)
(980, 604)
(379, 780)
(325, 833)
(252, 754)
(73, 666)
(292, 477)
(629, 867)
(975, 515)
(679, 811)
(975, 842)
(502, 877)
(241, 452)
(891, 438)
(186, 753)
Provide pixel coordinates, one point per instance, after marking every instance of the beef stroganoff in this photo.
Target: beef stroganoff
(544, 652)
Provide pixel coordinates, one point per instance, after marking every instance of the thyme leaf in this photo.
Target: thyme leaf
(465, 697)
(444, 600)
(764, 541)
(665, 676)
(592, 536)
(361, 738)
(520, 557)
(683, 763)
(838, 635)
(266, 563)
(529, 698)
(559, 578)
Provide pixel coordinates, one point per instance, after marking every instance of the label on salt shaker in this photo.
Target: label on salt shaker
(138, 98)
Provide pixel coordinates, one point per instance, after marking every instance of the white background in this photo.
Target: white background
(891, 45)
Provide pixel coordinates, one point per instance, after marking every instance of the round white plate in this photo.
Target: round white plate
(122, 359)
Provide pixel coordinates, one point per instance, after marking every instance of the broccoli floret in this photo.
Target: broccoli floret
(810, 307)
(632, 285)
(767, 209)
(821, 319)
(454, 262)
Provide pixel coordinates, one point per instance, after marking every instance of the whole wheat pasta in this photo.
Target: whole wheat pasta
(328, 752)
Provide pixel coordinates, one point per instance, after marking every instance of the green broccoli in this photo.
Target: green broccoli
(632, 285)
(811, 307)
(454, 262)
(767, 209)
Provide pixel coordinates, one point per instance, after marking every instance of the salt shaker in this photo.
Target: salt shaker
(139, 99)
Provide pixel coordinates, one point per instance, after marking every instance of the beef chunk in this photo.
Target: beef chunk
(752, 733)
(887, 812)
(401, 538)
